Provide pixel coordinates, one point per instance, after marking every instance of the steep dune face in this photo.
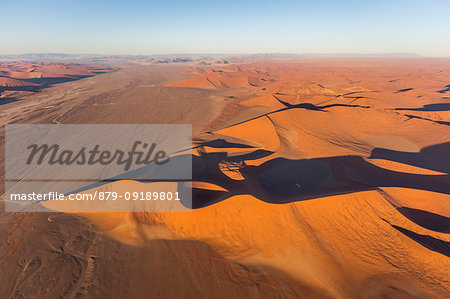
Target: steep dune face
(324, 179)
(374, 243)
(332, 243)
(341, 247)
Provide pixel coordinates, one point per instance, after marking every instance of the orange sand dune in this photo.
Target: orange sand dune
(10, 82)
(20, 76)
(220, 80)
(270, 100)
(397, 120)
(334, 245)
(28, 70)
(312, 178)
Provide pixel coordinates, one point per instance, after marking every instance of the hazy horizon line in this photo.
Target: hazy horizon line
(324, 54)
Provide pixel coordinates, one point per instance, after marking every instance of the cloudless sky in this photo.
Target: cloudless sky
(229, 27)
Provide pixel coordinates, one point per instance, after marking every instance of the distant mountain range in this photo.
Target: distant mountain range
(64, 56)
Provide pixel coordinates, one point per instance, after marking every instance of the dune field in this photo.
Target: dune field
(312, 178)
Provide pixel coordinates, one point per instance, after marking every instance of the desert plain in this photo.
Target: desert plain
(313, 177)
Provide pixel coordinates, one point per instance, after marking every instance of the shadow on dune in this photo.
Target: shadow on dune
(258, 154)
(429, 242)
(221, 143)
(11, 99)
(447, 88)
(19, 88)
(404, 90)
(48, 81)
(288, 106)
(435, 157)
(429, 107)
(282, 180)
(310, 106)
(4, 101)
(446, 123)
(426, 219)
(43, 83)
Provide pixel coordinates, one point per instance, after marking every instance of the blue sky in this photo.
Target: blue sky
(230, 27)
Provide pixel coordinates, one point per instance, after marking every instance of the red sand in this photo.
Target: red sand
(333, 183)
